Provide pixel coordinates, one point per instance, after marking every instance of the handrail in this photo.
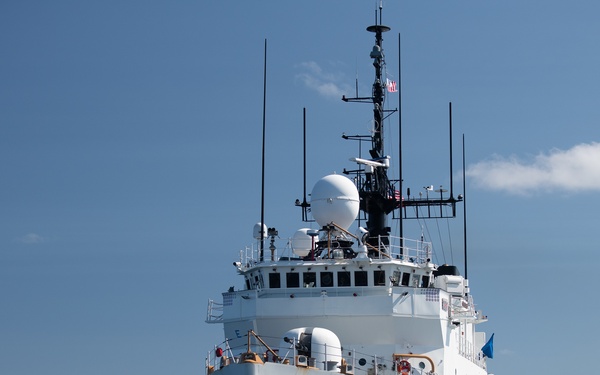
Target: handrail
(250, 356)
(211, 309)
(416, 251)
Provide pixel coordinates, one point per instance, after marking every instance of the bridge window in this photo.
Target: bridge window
(360, 278)
(343, 278)
(258, 281)
(326, 279)
(425, 282)
(309, 279)
(416, 279)
(274, 280)
(292, 279)
(379, 277)
(405, 278)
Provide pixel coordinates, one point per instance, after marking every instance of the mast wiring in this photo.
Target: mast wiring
(430, 237)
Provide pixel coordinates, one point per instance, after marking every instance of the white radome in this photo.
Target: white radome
(257, 231)
(302, 242)
(335, 199)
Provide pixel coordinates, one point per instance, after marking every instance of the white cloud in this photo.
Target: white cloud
(325, 83)
(31, 239)
(575, 169)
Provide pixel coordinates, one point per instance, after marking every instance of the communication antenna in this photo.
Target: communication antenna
(400, 181)
(356, 84)
(451, 174)
(262, 192)
(304, 204)
(435, 202)
(464, 203)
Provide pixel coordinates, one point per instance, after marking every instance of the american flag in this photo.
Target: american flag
(397, 195)
(391, 85)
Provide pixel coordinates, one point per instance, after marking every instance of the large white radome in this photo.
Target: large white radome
(335, 199)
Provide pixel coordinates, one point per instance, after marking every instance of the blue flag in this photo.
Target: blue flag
(488, 348)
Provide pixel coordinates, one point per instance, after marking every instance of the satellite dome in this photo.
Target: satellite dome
(335, 199)
(302, 242)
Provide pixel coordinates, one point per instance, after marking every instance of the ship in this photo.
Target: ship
(346, 295)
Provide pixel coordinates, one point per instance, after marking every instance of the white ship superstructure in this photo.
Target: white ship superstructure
(355, 301)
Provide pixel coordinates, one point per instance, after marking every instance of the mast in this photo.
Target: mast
(377, 195)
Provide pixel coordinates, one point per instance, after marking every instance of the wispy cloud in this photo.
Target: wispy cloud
(328, 84)
(31, 239)
(575, 169)
(506, 352)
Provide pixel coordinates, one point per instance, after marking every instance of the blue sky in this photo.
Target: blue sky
(130, 160)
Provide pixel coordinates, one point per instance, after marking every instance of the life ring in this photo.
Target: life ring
(403, 367)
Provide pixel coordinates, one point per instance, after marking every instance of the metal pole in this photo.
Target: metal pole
(262, 192)
(464, 206)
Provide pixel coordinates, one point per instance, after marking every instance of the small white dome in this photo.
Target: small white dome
(257, 228)
(302, 242)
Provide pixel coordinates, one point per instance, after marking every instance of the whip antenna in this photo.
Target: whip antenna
(262, 192)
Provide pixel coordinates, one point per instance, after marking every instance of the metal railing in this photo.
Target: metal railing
(214, 312)
(416, 251)
(390, 247)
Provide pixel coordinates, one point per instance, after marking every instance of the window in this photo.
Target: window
(292, 280)
(343, 278)
(309, 279)
(258, 281)
(425, 282)
(396, 278)
(360, 278)
(379, 278)
(405, 278)
(247, 283)
(274, 280)
(415, 280)
(326, 279)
